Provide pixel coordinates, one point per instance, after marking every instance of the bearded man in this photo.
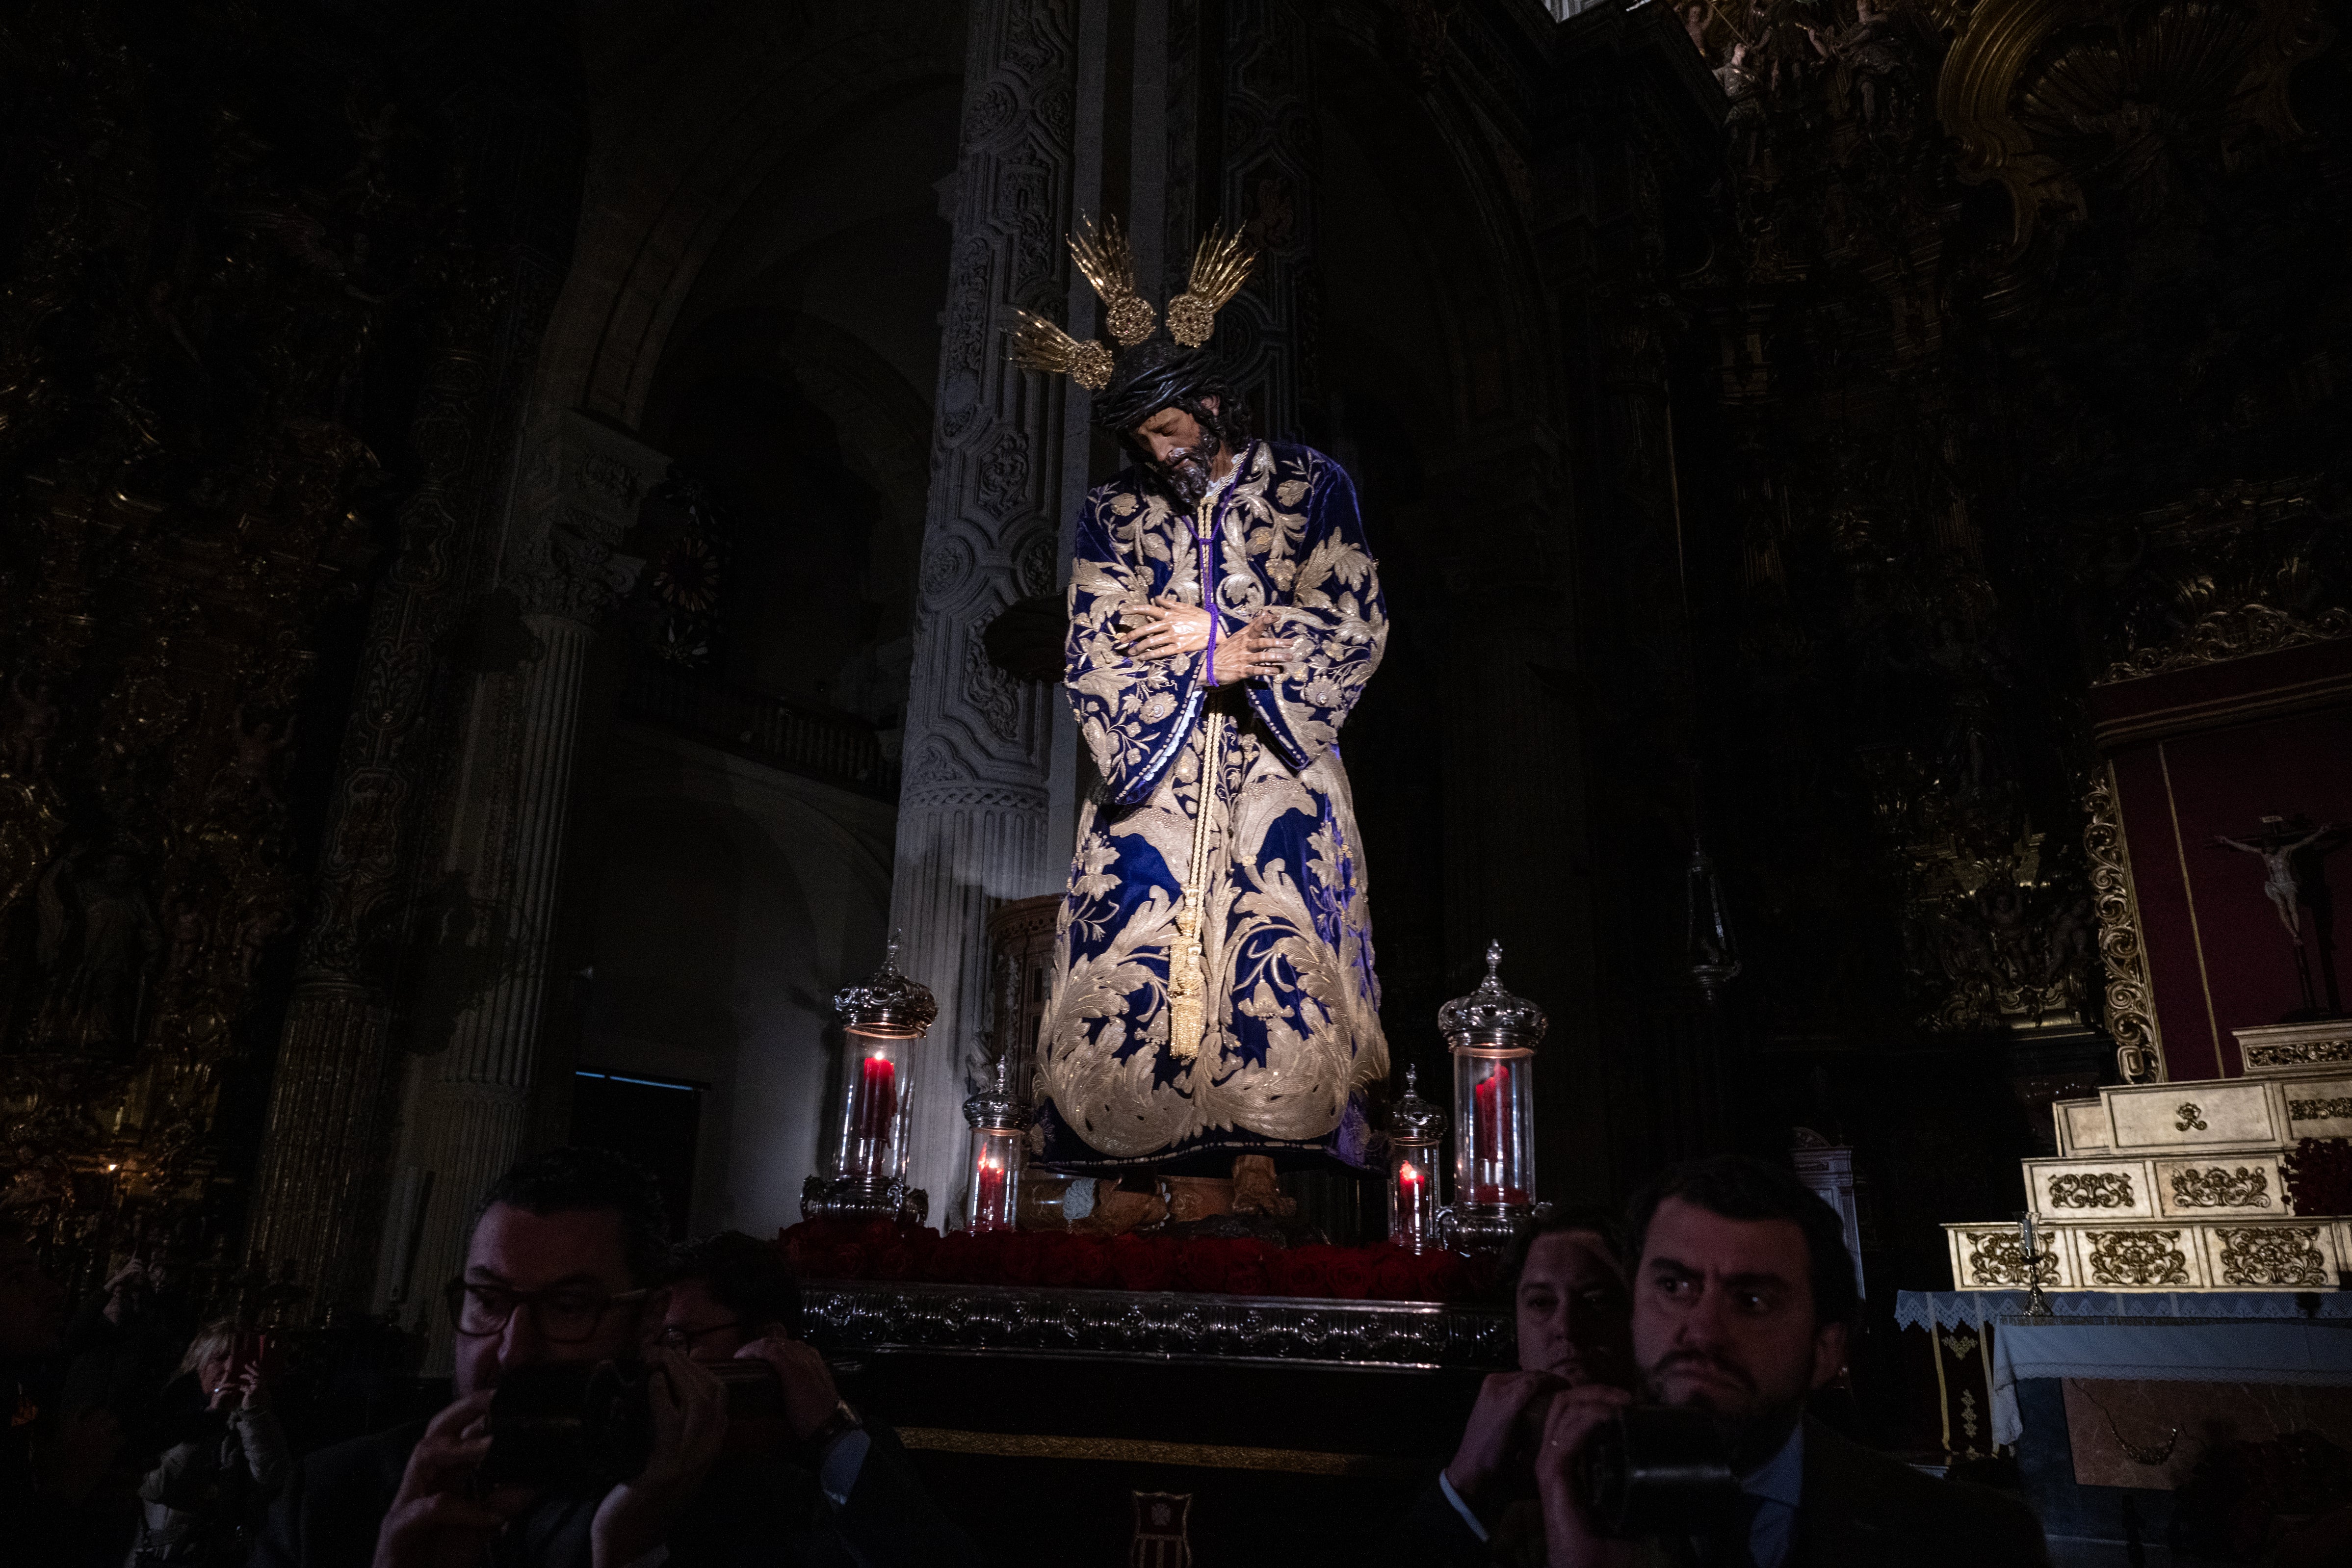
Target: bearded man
(1214, 1002)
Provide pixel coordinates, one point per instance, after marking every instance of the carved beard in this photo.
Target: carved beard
(1185, 471)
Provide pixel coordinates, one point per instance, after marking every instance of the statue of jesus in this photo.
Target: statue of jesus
(1213, 1003)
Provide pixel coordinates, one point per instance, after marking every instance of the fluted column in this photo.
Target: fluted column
(972, 813)
(470, 1099)
(318, 1182)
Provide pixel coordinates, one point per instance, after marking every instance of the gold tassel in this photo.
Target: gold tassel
(1188, 982)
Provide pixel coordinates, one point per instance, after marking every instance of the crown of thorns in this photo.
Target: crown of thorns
(1220, 267)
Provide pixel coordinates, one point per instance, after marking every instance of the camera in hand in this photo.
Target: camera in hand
(1658, 1470)
(589, 1425)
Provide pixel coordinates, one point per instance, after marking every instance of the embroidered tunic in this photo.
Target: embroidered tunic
(1289, 1035)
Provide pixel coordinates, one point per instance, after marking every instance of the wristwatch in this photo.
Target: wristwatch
(842, 1420)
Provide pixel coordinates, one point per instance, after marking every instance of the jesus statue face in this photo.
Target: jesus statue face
(1187, 457)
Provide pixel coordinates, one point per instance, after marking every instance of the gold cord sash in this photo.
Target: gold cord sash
(1188, 984)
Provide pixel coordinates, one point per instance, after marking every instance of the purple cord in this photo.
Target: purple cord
(1208, 591)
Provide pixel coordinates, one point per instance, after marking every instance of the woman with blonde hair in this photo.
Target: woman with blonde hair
(205, 1500)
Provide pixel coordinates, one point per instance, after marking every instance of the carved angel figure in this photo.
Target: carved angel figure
(98, 940)
(1878, 57)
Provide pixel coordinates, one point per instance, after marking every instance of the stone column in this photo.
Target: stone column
(318, 1184)
(470, 1095)
(1253, 151)
(972, 812)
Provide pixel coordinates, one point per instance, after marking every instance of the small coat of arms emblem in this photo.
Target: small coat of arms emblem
(1161, 1534)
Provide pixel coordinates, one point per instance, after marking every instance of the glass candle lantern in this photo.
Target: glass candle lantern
(881, 1019)
(1493, 1036)
(1416, 1139)
(872, 1139)
(998, 1124)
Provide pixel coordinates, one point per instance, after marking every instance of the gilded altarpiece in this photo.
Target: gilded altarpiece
(220, 293)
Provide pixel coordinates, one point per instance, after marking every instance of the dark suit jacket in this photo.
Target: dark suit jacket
(755, 1512)
(1859, 1509)
(1434, 1533)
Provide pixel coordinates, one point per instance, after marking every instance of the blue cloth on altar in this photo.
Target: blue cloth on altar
(1293, 1040)
(2181, 1336)
(1956, 1308)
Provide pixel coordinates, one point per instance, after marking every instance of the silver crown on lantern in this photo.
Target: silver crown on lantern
(994, 1103)
(1414, 1119)
(1491, 1010)
(887, 1002)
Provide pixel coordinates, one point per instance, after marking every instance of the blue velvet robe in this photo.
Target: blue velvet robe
(1292, 1033)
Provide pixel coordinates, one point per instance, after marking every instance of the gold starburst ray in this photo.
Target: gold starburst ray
(1039, 344)
(1107, 261)
(1220, 267)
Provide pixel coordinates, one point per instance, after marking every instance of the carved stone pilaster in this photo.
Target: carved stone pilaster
(469, 1097)
(973, 810)
(1268, 137)
(318, 1182)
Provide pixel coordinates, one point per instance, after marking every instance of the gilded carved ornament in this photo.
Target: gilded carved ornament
(1997, 1258)
(2248, 1186)
(2091, 1190)
(2025, 76)
(2131, 1005)
(2274, 1255)
(2295, 1053)
(2135, 1257)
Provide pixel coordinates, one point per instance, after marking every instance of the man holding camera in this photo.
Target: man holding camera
(1743, 1295)
(734, 1298)
(1567, 1295)
(564, 1266)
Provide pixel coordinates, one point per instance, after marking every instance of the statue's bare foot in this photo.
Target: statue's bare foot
(1256, 1190)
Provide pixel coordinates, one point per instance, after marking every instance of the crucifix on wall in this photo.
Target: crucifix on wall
(2277, 844)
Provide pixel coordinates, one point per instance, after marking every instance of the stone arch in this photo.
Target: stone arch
(733, 902)
(690, 123)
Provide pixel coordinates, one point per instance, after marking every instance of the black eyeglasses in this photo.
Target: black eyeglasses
(680, 1339)
(565, 1314)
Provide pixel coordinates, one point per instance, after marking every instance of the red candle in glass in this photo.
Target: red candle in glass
(988, 1198)
(878, 1106)
(1410, 1225)
(1492, 1134)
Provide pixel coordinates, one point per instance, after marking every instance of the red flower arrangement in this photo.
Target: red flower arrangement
(884, 1249)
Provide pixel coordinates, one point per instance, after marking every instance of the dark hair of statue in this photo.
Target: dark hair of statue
(750, 1278)
(572, 1180)
(1740, 1186)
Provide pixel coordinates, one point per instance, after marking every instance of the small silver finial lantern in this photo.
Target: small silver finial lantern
(1416, 1132)
(998, 1120)
(1493, 1036)
(881, 1018)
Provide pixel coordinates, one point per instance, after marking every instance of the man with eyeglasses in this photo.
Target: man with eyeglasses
(848, 1494)
(565, 1265)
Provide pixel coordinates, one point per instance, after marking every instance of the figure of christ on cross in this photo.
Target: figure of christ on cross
(2283, 889)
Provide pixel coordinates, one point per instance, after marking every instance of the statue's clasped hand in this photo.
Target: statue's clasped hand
(1172, 629)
